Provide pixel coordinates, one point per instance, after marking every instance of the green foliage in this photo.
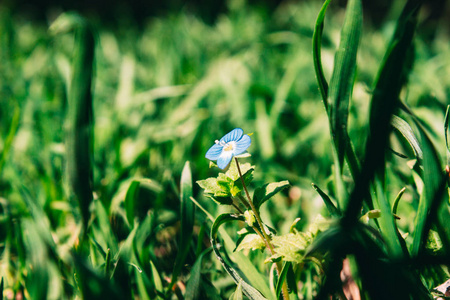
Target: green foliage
(105, 209)
(228, 184)
(267, 191)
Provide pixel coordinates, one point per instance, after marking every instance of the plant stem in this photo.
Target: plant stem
(265, 237)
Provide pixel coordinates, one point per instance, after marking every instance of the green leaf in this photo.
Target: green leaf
(228, 184)
(281, 279)
(317, 55)
(267, 191)
(246, 169)
(290, 246)
(195, 282)
(387, 223)
(334, 211)
(130, 201)
(237, 295)
(434, 184)
(403, 127)
(8, 142)
(79, 139)
(385, 100)
(342, 79)
(248, 290)
(251, 241)
(187, 222)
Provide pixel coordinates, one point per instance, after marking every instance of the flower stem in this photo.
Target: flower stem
(265, 237)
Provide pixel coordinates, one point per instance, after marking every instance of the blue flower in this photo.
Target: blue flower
(232, 144)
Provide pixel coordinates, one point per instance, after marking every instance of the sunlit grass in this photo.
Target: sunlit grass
(161, 95)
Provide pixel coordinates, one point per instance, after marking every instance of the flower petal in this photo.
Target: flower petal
(214, 152)
(233, 135)
(224, 159)
(242, 145)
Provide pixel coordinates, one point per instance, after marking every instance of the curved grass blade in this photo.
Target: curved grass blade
(79, 140)
(334, 211)
(317, 56)
(281, 279)
(244, 263)
(352, 160)
(248, 290)
(403, 127)
(187, 222)
(434, 184)
(195, 283)
(385, 100)
(130, 201)
(387, 222)
(342, 79)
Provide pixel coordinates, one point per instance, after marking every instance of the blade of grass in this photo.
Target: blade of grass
(187, 222)
(389, 82)
(332, 209)
(80, 118)
(434, 184)
(194, 284)
(317, 57)
(244, 263)
(10, 137)
(403, 127)
(387, 222)
(342, 79)
(281, 280)
(130, 201)
(248, 290)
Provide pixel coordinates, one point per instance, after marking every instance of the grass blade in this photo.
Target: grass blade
(281, 279)
(187, 222)
(434, 184)
(342, 79)
(248, 290)
(244, 263)
(390, 79)
(10, 138)
(130, 201)
(80, 118)
(332, 209)
(317, 56)
(403, 127)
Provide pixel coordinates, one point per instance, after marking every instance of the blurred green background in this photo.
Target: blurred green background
(168, 79)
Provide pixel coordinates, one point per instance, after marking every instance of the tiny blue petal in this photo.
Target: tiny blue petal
(233, 135)
(230, 145)
(224, 159)
(214, 152)
(242, 145)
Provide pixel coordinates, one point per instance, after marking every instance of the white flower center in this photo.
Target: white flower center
(227, 146)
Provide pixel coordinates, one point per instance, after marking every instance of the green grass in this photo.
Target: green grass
(103, 135)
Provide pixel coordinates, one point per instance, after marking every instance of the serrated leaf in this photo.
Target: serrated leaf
(233, 173)
(290, 246)
(228, 184)
(267, 191)
(212, 186)
(251, 241)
